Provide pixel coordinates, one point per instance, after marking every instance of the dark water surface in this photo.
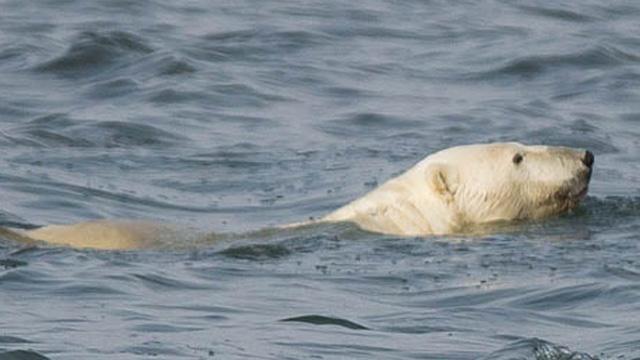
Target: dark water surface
(238, 115)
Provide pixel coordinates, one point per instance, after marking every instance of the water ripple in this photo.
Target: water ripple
(257, 252)
(537, 349)
(21, 355)
(58, 130)
(93, 52)
(558, 13)
(253, 45)
(13, 340)
(326, 320)
(371, 123)
(529, 67)
(562, 298)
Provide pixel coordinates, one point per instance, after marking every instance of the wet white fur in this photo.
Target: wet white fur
(464, 186)
(448, 192)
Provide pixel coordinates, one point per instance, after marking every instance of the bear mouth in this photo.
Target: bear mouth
(578, 195)
(582, 193)
(577, 189)
(571, 196)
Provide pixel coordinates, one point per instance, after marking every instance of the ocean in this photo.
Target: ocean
(235, 116)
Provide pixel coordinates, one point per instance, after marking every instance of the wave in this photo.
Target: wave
(92, 51)
(326, 320)
(115, 87)
(536, 349)
(21, 355)
(61, 130)
(255, 44)
(557, 14)
(369, 123)
(257, 252)
(531, 66)
(603, 211)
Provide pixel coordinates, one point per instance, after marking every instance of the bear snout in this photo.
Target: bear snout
(588, 159)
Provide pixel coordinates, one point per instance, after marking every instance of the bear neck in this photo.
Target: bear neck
(404, 205)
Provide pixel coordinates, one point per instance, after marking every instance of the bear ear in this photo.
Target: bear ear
(443, 180)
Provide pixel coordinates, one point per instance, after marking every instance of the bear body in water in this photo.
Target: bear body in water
(450, 191)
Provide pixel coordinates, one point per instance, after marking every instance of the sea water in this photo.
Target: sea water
(233, 116)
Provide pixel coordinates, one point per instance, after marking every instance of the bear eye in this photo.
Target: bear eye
(517, 158)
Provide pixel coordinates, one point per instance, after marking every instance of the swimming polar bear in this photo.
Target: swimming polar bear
(450, 191)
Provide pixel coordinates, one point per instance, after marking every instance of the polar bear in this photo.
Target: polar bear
(458, 188)
(450, 191)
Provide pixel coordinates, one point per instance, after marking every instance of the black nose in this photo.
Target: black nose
(588, 159)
